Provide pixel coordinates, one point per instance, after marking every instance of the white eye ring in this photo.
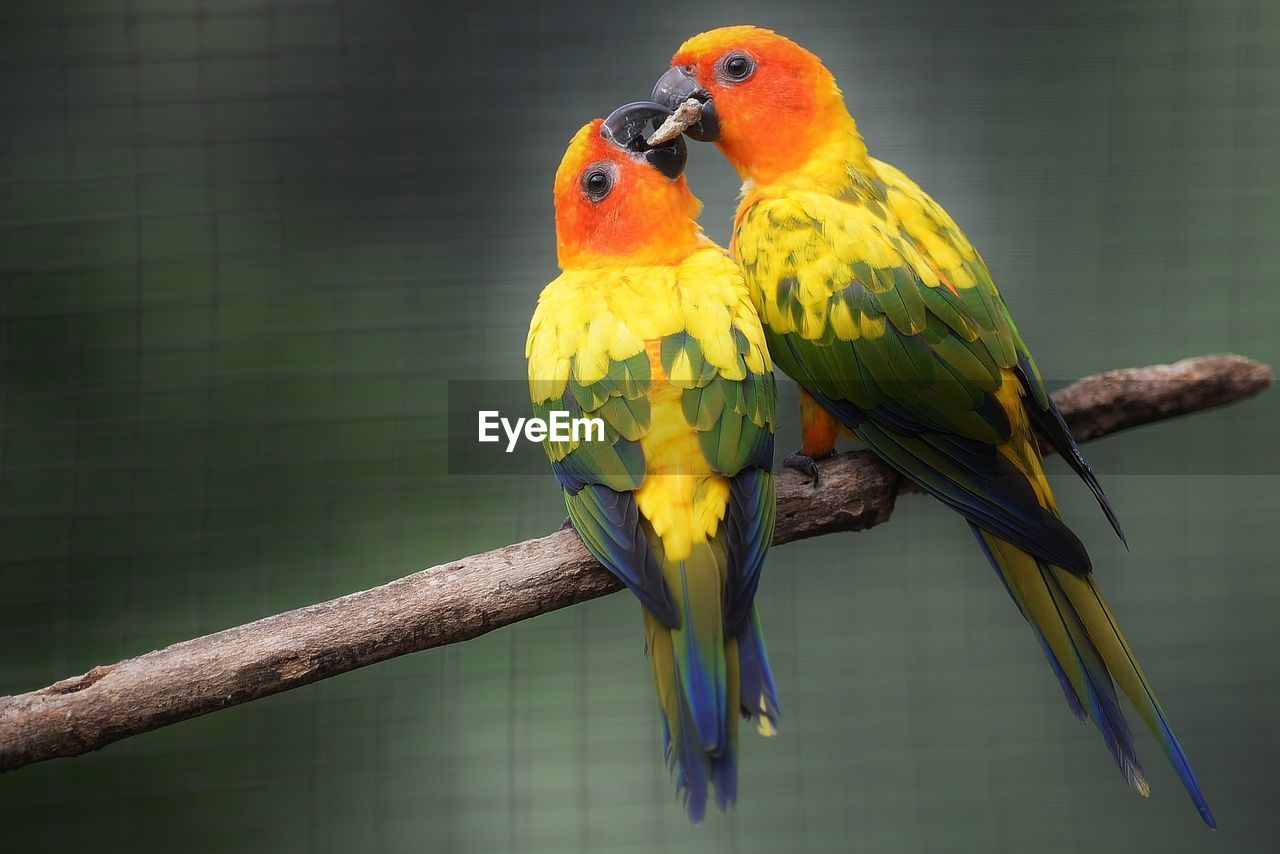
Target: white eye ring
(598, 180)
(736, 67)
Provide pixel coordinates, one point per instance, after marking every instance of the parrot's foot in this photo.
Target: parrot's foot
(567, 524)
(805, 464)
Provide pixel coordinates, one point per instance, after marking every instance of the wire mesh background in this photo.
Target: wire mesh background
(244, 246)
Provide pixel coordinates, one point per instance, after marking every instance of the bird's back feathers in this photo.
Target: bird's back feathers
(876, 303)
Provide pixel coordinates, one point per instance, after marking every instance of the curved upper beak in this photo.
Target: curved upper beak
(679, 85)
(629, 126)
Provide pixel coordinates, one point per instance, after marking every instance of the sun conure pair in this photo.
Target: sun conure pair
(863, 290)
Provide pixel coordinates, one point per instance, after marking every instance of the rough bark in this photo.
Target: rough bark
(474, 595)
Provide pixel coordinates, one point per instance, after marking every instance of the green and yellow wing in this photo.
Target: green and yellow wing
(883, 312)
(594, 372)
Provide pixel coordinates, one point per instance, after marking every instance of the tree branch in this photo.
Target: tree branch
(469, 597)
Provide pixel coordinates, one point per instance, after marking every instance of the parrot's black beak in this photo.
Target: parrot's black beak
(631, 124)
(677, 86)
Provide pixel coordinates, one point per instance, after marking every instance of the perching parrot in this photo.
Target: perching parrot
(877, 305)
(650, 328)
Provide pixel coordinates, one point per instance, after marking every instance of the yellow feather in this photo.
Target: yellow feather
(681, 372)
(870, 327)
(1021, 449)
(843, 322)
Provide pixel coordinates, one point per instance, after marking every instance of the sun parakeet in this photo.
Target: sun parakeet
(877, 305)
(650, 328)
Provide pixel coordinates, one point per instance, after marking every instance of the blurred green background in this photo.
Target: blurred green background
(245, 245)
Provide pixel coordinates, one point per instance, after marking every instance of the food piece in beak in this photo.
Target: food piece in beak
(628, 128)
(677, 86)
(686, 116)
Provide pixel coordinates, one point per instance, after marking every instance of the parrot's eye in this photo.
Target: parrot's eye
(737, 67)
(597, 181)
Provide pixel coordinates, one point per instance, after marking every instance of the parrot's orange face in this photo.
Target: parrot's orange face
(767, 101)
(619, 200)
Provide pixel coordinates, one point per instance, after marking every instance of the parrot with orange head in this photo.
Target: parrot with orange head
(650, 328)
(879, 307)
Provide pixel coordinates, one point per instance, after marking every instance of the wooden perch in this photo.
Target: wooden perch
(474, 595)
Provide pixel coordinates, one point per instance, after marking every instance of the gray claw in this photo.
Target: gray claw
(804, 464)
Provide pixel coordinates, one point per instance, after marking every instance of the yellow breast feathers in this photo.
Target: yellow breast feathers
(589, 321)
